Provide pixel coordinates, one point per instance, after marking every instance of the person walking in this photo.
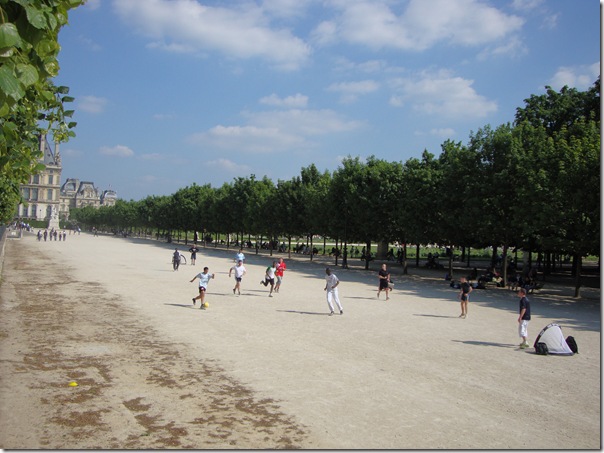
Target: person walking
(331, 286)
(240, 256)
(204, 280)
(524, 317)
(464, 296)
(193, 251)
(281, 266)
(269, 277)
(239, 270)
(384, 281)
(175, 260)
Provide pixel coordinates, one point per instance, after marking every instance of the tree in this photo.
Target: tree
(30, 105)
(561, 134)
(417, 209)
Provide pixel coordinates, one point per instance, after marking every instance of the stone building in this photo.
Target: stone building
(47, 200)
(78, 194)
(41, 193)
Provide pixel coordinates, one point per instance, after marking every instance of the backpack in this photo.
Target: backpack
(541, 349)
(572, 344)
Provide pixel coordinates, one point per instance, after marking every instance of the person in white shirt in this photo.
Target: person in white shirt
(331, 286)
(269, 277)
(204, 279)
(240, 271)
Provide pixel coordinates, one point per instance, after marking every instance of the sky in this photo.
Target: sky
(174, 92)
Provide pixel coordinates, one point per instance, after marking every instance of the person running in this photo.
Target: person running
(175, 259)
(331, 286)
(269, 277)
(384, 281)
(204, 279)
(240, 271)
(524, 317)
(464, 296)
(193, 251)
(240, 256)
(281, 266)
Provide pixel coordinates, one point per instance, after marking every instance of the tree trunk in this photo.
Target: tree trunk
(417, 255)
(578, 275)
(504, 264)
(336, 254)
(405, 271)
(494, 257)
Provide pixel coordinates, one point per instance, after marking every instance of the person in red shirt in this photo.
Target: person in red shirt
(281, 266)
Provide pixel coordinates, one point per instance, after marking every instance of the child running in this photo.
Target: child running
(204, 279)
(240, 271)
(269, 277)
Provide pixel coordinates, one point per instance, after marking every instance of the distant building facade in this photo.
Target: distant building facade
(41, 193)
(47, 199)
(78, 194)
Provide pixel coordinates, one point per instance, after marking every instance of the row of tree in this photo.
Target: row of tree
(533, 185)
(30, 104)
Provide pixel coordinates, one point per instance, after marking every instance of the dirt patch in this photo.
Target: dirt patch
(133, 389)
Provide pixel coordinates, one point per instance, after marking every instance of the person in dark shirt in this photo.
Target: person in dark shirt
(464, 296)
(523, 318)
(384, 279)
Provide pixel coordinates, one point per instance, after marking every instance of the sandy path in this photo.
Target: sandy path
(260, 372)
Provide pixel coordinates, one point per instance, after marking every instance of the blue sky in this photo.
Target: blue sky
(175, 92)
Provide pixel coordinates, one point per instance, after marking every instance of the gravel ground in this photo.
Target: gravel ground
(259, 372)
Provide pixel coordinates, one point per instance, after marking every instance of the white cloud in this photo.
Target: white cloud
(304, 123)
(246, 139)
(350, 91)
(240, 30)
(228, 165)
(441, 94)
(91, 104)
(421, 25)
(580, 77)
(443, 132)
(277, 131)
(285, 9)
(296, 101)
(512, 47)
(526, 5)
(118, 150)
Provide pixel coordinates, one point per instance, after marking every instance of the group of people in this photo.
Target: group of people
(524, 309)
(274, 276)
(52, 234)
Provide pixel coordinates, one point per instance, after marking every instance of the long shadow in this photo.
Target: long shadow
(581, 314)
(190, 305)
(434, 316)
(486, 343)
(304, 312)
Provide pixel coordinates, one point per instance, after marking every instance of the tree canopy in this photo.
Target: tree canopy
(531, 185)
(30, 104)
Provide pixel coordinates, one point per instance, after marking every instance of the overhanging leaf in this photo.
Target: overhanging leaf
(9, 36)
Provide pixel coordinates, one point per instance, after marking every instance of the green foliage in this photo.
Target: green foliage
(531, 185)
(29, 51)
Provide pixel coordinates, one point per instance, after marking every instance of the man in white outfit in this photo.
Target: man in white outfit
(331, 286)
